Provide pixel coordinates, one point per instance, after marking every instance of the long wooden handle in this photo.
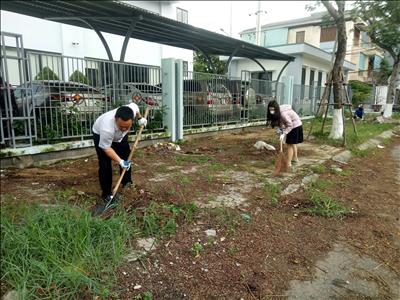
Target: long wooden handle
(138, 136)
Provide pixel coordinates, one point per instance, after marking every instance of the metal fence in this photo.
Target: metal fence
(59, 97)
(306, 99)
(210, 99)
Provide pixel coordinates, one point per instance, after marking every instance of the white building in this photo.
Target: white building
(50, 37)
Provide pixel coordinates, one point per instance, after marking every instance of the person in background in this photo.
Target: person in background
(359, 113)
(110, 135)
(289, 125)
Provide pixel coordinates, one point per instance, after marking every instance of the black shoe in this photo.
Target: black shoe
(128, 185)
(110, 201)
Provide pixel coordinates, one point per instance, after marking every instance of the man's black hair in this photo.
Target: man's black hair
(124, 113)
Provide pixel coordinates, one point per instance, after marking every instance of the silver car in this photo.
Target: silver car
(71, 97)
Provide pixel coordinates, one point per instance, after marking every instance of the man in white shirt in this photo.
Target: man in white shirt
(110, 134)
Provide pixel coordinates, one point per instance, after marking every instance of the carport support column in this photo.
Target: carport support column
(173, 97)
(288, 82)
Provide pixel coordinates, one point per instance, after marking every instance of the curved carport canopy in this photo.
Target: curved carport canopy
(132, 22)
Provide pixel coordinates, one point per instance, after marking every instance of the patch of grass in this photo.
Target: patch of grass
(139, 153)
(74, 196)
(162, 169)
(320, 185)
(272, 190)
(184, 180)
(199, 159)
(361, 153)
(319, 169)
(232, 251)
(210, 178)
(225, 217)
(396, 115)
(62, 253)
(161, 219)
(144, 296)
(326, 206)
(216, 166)
(365, 131)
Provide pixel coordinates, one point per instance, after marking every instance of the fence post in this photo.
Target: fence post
(169, 97)
(288, 82)
(179, 99)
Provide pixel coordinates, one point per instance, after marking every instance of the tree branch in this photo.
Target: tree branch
(332, 11)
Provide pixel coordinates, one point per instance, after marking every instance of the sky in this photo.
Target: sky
(214, 15)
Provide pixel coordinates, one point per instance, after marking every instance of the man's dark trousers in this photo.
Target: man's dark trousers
(105, 167)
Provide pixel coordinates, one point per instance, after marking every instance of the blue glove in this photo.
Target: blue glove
(125, 164)
(279, 131)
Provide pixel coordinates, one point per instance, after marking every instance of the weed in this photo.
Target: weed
(319, 169)
(162, 169)
(196, 249)
(320, 185)
(360, 153)
(210, 178)
(183, 180)
(233, 250)
(272, 190)
(325, 206)
(144, 296)
(210, 240)
(160, 219)
(200, 159)
(215, 167)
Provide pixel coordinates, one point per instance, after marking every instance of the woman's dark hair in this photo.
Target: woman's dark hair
(275, 119)
(124, 113)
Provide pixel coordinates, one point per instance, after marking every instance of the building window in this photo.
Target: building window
(356, 37)
(300, 37)
(182, 15)
(328, 34)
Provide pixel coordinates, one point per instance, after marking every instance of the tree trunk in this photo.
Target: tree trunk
(337, 129)
(392, 88)
(337, 124)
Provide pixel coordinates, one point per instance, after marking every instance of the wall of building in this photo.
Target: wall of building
(80, 42)
(237, 65)
(274, 37)
(311, 36)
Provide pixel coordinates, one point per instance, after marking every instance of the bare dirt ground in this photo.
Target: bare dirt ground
(265, 246)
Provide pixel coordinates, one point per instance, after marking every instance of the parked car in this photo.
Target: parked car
(242, 93)
(139, 92)
(202, 94)
(72, 97)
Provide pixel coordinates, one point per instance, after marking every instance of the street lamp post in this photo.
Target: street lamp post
(258, 23)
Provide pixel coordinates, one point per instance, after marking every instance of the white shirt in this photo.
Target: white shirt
(106, 127)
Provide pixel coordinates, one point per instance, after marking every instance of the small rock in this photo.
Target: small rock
(86, 160)
(222, 239)
(80, 193)
(211, 232)
(237, 264)
(11, 295)
(136, 287)
(134, 255)
(309, 179)
(171, 263)
(146, 244)
(35, 183)
(380, 146)
(290, 189)
(124, 273)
